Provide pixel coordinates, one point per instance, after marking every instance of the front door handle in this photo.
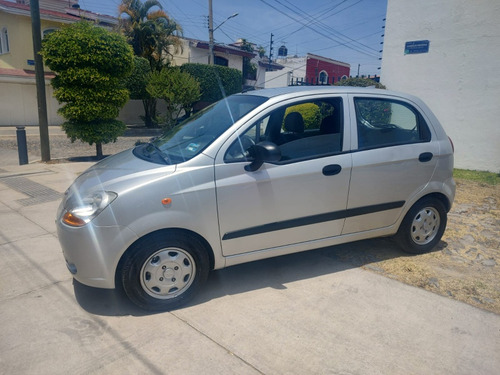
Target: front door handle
(425, 157)
(332, 169)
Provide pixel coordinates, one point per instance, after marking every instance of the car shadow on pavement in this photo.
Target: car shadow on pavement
(106, 302)
(268, 273)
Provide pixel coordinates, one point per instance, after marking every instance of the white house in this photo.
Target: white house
(448, 53)
(294, 67)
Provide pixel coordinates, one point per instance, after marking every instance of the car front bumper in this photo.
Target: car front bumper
(92, 252)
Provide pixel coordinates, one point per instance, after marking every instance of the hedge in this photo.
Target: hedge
(215, 81)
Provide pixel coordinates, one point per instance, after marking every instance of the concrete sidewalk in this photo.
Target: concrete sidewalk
(306, 313)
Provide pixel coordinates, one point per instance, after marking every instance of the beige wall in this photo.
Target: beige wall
(18, 103)
(20, 41)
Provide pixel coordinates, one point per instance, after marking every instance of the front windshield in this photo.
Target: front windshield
(196, 133)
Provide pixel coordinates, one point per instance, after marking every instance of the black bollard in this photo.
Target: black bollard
(22, 148)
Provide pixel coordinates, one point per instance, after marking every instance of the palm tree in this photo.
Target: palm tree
(152, 35)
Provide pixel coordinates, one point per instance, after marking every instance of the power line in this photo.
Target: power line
(323, 27)
(316, 19)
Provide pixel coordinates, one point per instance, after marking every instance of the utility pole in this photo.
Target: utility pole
(210, 34)
(40, 81)
(211, 30)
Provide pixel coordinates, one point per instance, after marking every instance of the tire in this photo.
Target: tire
(164, 271)
(423, 226)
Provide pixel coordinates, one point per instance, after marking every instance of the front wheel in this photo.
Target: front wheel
(164, 271)
(423, 226)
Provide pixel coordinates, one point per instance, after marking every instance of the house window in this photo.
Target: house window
(221, 61)
(4, 41)
(323, 78)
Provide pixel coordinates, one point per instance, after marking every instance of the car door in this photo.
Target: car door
(395, 159)
(300, 198)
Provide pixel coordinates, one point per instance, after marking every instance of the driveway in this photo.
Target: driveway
(309, 313)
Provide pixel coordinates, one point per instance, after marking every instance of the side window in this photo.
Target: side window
(383, 122)
(304, 130)
(238, 151)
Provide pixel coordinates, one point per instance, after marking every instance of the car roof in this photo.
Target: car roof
(293, 91)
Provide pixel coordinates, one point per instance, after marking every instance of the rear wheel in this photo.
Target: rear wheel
(164, 271)
(423, 226)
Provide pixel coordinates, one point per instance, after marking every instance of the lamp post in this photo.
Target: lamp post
(211, 30)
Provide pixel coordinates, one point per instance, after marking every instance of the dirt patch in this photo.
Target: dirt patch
(466, 264)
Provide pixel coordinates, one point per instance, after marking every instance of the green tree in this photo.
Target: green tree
(137, 81)
(90, 63)
(153, 35)
(179, 90)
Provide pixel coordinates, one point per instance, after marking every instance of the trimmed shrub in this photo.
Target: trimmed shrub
(216, 82)
(90, 63)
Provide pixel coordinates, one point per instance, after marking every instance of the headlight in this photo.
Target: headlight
(79, 210)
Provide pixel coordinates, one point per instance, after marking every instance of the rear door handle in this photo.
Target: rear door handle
(332, 169)
(425, 157)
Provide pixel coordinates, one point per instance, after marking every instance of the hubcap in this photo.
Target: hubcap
(168, 273)
(425, 226)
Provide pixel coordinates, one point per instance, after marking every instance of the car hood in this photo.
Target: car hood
(119, 173)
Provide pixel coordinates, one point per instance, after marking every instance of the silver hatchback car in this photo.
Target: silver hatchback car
(253, 176)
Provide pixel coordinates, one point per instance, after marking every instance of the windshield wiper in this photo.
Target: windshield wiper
(160, 152)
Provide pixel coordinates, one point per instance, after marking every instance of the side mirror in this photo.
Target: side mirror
(262, 152)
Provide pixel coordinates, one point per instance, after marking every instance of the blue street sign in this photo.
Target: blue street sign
(417, 46)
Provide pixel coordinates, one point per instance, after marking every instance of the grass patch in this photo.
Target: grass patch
(489, 178)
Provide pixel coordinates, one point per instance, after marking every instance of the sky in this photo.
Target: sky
(350, 31)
